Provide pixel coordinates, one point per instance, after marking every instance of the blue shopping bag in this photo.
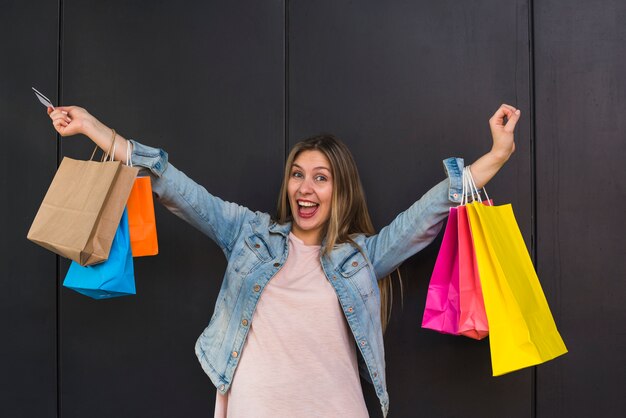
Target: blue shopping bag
(111, 278)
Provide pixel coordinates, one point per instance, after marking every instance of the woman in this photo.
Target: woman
(297, 350)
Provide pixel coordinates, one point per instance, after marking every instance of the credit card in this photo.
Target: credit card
(43, 99)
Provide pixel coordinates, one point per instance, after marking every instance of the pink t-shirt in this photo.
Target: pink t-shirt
(299, 359)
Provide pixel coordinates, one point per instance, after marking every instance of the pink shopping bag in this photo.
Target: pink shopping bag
(442, 301)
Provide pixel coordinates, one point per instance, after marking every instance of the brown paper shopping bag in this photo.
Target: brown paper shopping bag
(82, 209)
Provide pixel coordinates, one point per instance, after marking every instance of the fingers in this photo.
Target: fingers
(513, 118)
(60, 124)
(505, 111)
(58, 113)
(60, 120)
(67, 109)
(502, 112)
(68, 120)
(509, 107)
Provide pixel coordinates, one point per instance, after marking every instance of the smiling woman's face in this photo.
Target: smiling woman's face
(310, 191)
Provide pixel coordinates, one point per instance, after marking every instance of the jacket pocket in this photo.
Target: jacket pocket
(352, 264)
(259, 247)
(250, 255)
(353, 269)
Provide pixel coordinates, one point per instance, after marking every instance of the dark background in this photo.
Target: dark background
(226, 88)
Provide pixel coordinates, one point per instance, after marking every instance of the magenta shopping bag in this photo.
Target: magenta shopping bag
(442, 301)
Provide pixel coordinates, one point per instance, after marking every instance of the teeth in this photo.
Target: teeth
(307, 204)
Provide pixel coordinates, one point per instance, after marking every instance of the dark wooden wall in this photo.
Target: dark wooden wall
(226, 88)
(28, 160)
(580, 91)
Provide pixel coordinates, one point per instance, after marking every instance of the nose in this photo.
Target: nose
(306, 187)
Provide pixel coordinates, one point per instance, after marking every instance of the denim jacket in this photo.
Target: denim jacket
(256, 248)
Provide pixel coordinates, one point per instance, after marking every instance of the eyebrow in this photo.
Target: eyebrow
(314, 168)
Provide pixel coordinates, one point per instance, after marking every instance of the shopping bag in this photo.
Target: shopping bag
(472, 316)
(82, 209)
(522, 331)
(141, 220)
(442, 300)
(111, 278)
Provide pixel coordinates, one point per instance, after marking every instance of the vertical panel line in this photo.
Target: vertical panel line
(533, 169)
(59, 152)
(286, 88)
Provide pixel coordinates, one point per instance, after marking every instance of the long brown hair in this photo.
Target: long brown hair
(348, 214)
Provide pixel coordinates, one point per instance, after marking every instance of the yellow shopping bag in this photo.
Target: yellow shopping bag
(522, 332)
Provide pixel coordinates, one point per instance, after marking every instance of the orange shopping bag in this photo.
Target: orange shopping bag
(141, 220)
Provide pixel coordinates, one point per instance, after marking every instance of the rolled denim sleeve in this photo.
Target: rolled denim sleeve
(416, 227)
(220, 220)
(454, 170)
(152, 159)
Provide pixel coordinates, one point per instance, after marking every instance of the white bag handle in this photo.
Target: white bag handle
(467, 189)
(129, 160)
(472, 184)
(463, 191)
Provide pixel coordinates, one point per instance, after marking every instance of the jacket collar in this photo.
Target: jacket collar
(339, 253)
(282, 229)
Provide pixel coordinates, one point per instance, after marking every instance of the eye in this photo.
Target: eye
(320, 177)
(296, 174)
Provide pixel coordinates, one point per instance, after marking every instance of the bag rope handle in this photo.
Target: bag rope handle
(108, 154)
(463, 191)
(474, 188)
(129, 159)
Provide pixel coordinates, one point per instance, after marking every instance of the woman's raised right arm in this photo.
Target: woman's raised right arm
(220, 220)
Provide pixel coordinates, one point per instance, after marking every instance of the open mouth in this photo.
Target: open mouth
(307, 209)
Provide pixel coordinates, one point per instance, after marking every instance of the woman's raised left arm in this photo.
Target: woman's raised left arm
(416, 227)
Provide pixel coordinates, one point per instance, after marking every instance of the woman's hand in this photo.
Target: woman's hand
(502, 133)
(72, 120)
(503, 146)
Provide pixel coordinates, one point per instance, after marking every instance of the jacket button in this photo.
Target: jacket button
(334, 277)
(257, 245)
(354, 264)
(235, 354)
(244, 322)
(362, 343)
(375, 374)
(350, 309)
(221, 387)
(256, 287)
(276, 264)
